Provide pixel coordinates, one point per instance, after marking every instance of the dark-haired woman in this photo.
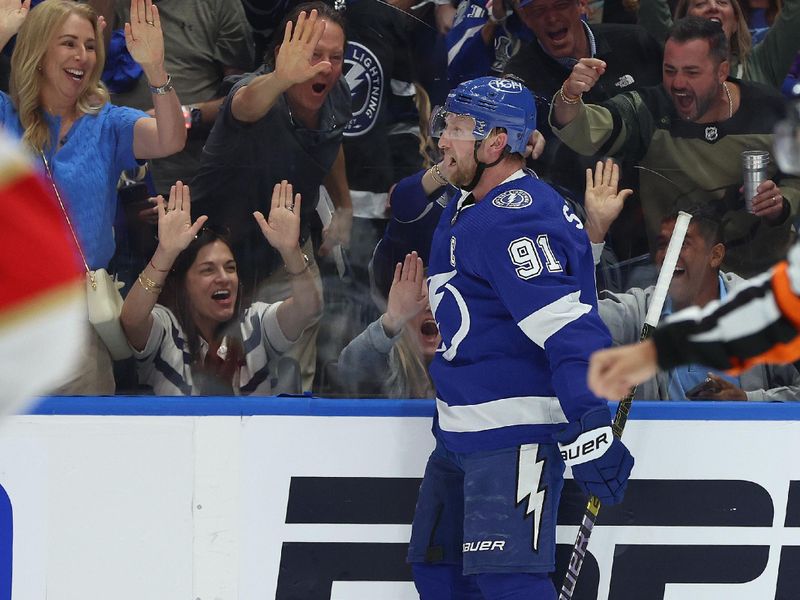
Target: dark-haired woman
(206, 343)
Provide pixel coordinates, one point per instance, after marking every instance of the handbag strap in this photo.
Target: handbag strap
(69, 222)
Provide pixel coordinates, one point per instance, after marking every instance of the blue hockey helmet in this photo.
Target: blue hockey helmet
(491, 102)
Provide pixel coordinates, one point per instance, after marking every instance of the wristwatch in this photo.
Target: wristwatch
(196, 116)
(192, 115)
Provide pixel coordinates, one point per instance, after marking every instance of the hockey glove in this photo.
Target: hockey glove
(600, 462)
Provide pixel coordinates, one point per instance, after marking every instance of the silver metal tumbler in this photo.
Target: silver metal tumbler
(754, 172)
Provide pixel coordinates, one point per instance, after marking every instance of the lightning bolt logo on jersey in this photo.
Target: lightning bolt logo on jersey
(511, 286)
(364, 74)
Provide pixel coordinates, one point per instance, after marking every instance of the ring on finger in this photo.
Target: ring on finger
(151, 23)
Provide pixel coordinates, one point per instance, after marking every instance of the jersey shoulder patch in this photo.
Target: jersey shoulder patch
(513, 199)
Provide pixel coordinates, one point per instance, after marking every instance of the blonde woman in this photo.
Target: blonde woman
(391, 357)
(60, 109)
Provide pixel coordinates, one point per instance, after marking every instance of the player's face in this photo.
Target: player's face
(557, 26)
(693, 79)
(307, 98)
(425, 334)
(457, 143)
(717, 10)
(212, 284)
(696, 269)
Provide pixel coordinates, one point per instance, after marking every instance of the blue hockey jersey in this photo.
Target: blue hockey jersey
(468, 56)
(511, 286)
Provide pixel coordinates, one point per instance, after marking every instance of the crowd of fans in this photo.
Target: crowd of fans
(266, 184)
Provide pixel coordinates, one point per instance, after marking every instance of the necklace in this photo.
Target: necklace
(730, 100)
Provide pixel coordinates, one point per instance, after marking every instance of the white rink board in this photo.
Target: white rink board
(199, 507)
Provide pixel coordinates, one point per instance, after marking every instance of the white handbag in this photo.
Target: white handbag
(103, 300)
(104, 303)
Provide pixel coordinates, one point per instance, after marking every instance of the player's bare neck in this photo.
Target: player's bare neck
(494, 176)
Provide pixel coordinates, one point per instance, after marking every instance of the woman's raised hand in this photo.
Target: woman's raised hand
(143, 35)
(175, 228)
(12, 14)
(282, 227)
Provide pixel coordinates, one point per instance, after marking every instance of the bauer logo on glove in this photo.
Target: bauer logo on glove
(600, 462)
(590, 445)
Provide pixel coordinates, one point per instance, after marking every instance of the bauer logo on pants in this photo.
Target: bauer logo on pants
(364, 75)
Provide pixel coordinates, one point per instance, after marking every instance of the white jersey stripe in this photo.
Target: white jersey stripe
(749, 319)
(550, 319)
(503, 412)
(464, 38)
(794, 268)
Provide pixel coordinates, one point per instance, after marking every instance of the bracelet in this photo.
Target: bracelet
(149, 286)
(301, 271)
(437, 175)
(157, 269)
(568, 99)
(162, 89)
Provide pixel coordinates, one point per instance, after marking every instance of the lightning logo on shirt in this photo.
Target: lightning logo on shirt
(364, 74)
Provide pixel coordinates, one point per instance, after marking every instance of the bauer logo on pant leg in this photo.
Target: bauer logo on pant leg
(484, 546)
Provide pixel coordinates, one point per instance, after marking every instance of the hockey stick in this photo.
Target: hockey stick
(621, 416)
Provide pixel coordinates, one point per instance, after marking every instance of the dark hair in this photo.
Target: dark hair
(176, 298)
(707, 222)
(698, 28)
(325, 12)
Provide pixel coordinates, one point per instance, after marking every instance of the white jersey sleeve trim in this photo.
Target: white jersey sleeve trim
(504, 412)
(550, 319)
(468, 34)
(749, 319)
(794, 268)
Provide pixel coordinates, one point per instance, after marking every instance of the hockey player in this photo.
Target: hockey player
(511, 286)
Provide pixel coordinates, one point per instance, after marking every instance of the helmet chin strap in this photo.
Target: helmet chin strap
(481, 166)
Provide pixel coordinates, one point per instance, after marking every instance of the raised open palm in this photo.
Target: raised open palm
(12, 14)
(293, 62)
(143, 35)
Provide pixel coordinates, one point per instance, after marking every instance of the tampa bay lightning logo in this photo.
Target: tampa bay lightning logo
(438, 288)
(513, 199)
(364, 74)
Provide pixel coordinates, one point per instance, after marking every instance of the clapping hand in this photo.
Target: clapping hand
(12, 14)
(175, 228)
(282, 228)
(407, 296)
(293, 61)
(602, 201)
(143, 35)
